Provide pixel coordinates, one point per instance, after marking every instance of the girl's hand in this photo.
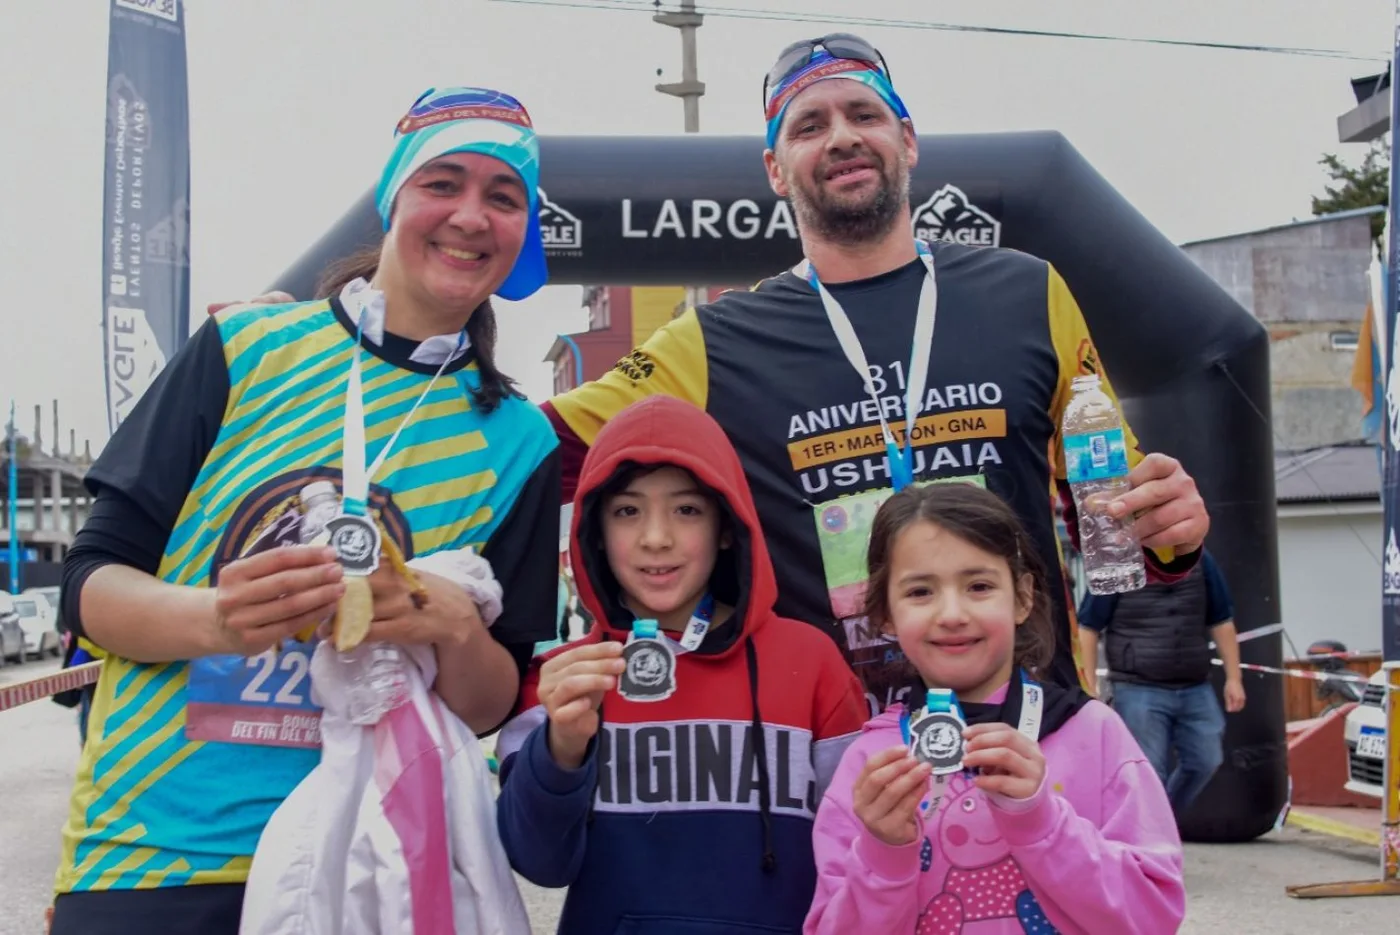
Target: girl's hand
(887, 795)
(1011, 763)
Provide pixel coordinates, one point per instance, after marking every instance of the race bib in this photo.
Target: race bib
(843, 532)
(263, 700)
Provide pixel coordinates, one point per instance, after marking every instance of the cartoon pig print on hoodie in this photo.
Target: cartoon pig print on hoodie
(984, 881)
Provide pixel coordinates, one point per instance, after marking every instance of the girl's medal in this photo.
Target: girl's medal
(936, 735)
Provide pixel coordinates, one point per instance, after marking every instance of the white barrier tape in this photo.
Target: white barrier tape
(1298, 673)
(1258, 632)
(12, 696)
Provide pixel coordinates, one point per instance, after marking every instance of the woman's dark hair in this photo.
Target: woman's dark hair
(481, 327)
(982, 519)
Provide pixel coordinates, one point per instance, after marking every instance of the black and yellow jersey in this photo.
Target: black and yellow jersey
(766, 364)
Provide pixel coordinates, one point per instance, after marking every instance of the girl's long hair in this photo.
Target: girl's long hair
(481, 327)
(980, 518)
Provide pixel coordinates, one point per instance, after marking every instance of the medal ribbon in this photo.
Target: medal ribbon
(901, 462)
(355, 478)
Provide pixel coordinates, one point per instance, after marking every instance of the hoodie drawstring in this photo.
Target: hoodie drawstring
(760, 749)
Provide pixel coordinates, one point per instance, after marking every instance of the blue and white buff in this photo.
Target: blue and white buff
(472, 120)
(823, 66)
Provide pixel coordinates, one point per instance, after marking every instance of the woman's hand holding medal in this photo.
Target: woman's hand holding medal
(267, 597)
(1007, 761)
(887, 795)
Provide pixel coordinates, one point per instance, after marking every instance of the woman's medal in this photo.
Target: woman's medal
(650, 670)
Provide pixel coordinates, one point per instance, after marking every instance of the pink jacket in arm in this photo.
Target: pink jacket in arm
(1094, 850)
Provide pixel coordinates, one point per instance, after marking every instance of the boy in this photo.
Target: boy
(676, 784)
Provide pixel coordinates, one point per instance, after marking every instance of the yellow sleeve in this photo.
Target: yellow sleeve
(672, 361)
(1074, 348)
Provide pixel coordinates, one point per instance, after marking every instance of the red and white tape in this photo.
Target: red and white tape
(12, 696)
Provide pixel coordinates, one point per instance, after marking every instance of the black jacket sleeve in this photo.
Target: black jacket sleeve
(524, 556)
(141, 479)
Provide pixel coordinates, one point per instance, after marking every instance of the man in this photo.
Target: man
(812, 387)
(1157, 641)
(808, 411)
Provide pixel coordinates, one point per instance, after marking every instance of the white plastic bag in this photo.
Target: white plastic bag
(394, 831)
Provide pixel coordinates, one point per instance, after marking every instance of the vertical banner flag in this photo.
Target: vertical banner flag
(12, 519)
(146, 199)
(1390, 498)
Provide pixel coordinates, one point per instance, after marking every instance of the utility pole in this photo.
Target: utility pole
(690, 88)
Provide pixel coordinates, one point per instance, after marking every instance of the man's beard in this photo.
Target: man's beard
(850, 223)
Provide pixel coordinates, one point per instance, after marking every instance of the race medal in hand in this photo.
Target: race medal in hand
(936, 735)
(355, 539)
(650, 672)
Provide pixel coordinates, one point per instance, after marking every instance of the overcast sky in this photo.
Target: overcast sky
(292, 102)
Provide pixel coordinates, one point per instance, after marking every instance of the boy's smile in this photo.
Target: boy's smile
(662, 533)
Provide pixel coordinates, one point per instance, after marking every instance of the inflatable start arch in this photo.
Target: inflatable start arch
(1191, 365)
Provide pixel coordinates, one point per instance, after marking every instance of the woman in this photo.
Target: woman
(380, 407)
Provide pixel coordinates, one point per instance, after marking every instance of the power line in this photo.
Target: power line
(845, 20)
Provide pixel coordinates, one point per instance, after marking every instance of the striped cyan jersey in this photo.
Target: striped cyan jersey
(153, 807)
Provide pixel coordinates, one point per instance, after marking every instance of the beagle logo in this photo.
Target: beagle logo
(560, 232)
(948, 215)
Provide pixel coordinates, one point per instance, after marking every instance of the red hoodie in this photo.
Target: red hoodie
(700, 806)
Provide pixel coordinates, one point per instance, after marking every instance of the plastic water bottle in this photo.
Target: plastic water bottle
(1096, 464)
(376, 681)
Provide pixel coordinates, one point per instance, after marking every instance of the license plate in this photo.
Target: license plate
(1371, 743)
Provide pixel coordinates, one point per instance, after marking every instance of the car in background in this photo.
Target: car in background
(11, 635)
(1365, 738)
(40, 625)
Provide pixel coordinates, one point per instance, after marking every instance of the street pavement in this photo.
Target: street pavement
(1236, 888)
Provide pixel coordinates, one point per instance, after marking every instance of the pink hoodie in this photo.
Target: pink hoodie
(1095, 850)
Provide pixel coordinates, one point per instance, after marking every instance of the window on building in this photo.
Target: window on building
(1344, 340)
(600, 312)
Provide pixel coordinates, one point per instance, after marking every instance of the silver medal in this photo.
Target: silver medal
(936, 738)
(650, 673)
(355, 539)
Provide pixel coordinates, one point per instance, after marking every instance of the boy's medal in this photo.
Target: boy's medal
(650, 672)
(936, 735)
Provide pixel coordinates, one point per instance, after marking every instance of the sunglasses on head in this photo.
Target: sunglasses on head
(838, 45)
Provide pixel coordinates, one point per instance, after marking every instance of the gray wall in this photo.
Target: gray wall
(1303, 281)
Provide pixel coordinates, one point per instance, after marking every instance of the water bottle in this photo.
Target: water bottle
(1096, 465)
(376, 681)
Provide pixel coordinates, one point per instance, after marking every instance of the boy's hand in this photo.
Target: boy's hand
(1011, 763)
(572, 685)
(887, 795)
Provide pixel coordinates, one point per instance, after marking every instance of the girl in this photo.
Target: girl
(1055, 821)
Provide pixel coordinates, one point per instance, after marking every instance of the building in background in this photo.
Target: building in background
(51, 503)
(1307, 283)
(619, 319)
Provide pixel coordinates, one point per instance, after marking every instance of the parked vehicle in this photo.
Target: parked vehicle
(11, 635)
(1365, 739)
(1329, 658)
(37, 620)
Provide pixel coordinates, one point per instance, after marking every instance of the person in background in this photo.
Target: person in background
(1157, 642)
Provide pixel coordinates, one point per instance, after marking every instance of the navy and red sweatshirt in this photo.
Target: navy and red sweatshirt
(693, 813)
